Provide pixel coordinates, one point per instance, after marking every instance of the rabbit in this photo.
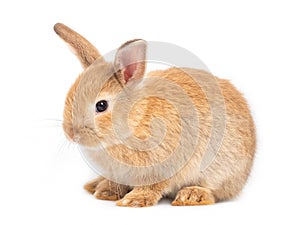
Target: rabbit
(106, 91)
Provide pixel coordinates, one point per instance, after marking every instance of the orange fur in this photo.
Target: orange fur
(225, 176)
(194, 196)
(85, 51)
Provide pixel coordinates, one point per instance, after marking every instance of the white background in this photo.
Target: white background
(256, 44)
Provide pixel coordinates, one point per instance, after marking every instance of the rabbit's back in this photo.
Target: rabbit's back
(232, 149)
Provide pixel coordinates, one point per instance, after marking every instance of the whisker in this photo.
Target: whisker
(55, 125)
(48, 123)
(52, 119)
(62, 147)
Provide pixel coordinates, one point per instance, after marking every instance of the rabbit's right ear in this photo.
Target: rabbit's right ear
(84, 50)
(130, 60)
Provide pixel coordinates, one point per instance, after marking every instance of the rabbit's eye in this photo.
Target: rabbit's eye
(101, 106)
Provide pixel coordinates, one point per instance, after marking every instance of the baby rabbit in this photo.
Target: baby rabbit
(180, 133)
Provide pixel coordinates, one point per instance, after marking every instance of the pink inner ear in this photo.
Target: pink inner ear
(129, 71)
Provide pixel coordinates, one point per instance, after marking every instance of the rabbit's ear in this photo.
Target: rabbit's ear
(130, 60)
(84, 50)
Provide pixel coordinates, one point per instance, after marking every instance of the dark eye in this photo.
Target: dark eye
(101, 106)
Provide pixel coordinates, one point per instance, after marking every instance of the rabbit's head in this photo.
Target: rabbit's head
(90, 100)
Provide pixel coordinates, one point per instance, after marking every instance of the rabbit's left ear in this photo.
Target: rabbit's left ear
(130, 60)
(84, 50)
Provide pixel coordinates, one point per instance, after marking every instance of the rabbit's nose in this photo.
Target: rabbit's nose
(71, 136)
(69, 132)
(76, 134)
(76, 138)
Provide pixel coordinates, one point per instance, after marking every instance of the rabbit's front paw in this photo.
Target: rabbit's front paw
(194, 196)
(91, 186)
(105, 189)
(109, 190)
(139, 199)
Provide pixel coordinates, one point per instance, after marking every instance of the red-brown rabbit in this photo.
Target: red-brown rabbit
(93, 105)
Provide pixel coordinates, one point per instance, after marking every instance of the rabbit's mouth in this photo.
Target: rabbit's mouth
(85, 137)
